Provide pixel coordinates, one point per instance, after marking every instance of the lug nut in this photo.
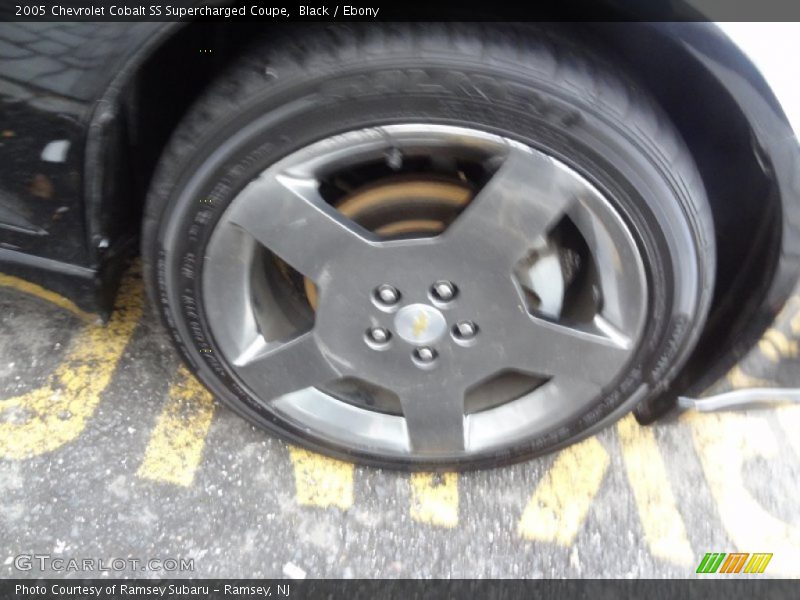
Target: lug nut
(378, 335)
(425, 354)
(387, 294)
(465, 330)
(443, 291)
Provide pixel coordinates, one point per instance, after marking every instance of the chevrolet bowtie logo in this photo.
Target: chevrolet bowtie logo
(420, 324)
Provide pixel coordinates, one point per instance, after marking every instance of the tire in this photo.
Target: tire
(535, 87)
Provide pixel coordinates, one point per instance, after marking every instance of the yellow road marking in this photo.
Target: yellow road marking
(775, 345)
(176, 444)
(558, 507)
(662, 523)
(723, 443)
(33, 289)
(738, 379)
(434, 498)
(794, 322)
(322, 481)
(50, 416)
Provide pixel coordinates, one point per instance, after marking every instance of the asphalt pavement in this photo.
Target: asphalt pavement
(110, 451)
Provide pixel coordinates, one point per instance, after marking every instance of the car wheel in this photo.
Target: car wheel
(429, 247)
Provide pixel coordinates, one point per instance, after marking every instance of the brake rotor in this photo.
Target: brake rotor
(402, 208)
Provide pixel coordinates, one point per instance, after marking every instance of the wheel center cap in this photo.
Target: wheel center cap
(420, 324)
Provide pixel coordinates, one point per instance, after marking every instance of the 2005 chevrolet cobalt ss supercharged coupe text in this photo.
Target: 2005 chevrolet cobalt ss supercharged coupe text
(412, 245)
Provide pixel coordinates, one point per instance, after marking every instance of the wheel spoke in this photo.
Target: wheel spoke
(284, 212)
(546, 407)
(435, 422)
(524, 199)
(275, 369)
(559, 350)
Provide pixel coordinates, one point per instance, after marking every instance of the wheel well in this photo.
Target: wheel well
(743, 194)
(165, 86)
(744, 198)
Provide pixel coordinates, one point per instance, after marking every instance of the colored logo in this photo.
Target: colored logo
(420, 324)
(737, 562)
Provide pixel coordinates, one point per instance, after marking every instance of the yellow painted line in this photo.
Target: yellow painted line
(434, 498)
(32, 289)
(789, 416)
(738, 379)
(791, 309)
(176, 444)
(663, 526)
(794, 320)
(322, 481)
(56, 413)
(724, 442)
(560, 503)
(775, 345)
